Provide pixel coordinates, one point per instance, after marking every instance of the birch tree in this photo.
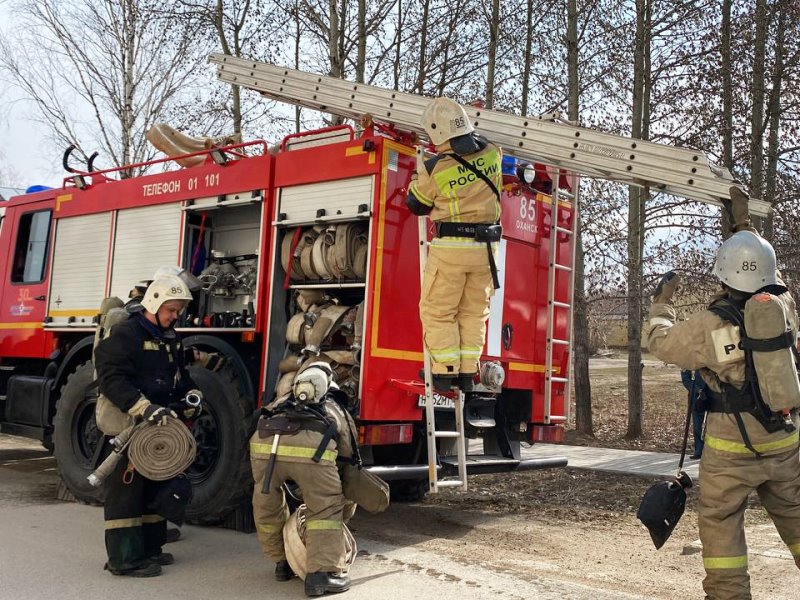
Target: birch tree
(99, 73)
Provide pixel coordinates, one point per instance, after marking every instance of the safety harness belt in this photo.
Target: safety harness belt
(468, 165)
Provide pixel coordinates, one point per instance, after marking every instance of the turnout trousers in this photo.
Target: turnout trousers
(454, 305)
(727, 480)
(133, 531)
(322, 495)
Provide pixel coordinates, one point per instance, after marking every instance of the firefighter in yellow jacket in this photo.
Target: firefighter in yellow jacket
(459, 189)
(300, 439)
(748, 446)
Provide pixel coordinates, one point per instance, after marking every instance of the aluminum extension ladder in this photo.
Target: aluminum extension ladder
(546, 139)
(456, 437)
(554, 266)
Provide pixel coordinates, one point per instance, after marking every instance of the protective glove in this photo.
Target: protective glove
(213, 361)
(666, 288)
(158, 414)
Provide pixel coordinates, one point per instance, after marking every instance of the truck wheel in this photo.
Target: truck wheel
(408, 490)
(76, 435)
(220, 474)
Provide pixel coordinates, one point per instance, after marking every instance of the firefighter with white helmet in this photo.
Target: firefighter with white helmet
(459, 189)
(742, 346)
(141, 372)
(300, 437)
(212, 361)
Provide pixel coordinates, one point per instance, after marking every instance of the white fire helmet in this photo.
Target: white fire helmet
(445, 119)
(164, 289)
(746, 262)
(190, 280)
(313, 382)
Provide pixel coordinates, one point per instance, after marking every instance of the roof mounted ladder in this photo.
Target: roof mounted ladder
(548, 140)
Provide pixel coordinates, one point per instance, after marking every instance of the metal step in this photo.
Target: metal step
(491, 463)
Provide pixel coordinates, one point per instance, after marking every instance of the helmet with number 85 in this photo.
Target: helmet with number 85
(164, 289)
(746, 262)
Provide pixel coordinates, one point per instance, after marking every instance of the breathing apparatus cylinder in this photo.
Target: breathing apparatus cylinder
(770, 327)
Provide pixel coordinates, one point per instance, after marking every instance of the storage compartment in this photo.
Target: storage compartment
(318, 308)
(222, 250)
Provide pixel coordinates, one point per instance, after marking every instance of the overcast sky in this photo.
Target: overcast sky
(21, 140)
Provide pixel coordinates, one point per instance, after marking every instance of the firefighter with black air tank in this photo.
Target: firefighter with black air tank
(743, 346)
(141, 374)
(301, 437)
(459, 189)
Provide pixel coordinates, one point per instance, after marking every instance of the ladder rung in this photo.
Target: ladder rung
(563, 230)
(561, 267)
(446, 434)
(560, 379)
(450, 483)
(562, 304)
(561, 342)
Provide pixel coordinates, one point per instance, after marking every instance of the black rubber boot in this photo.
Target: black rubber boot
(283, 572)
(318, 584)
(441, 383)
(146, 569)
(173, 535)
(466, 382)
(165, 558)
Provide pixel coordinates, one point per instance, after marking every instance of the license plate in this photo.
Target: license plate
(439, 401)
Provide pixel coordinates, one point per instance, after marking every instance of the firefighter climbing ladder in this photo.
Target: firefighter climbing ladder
(432, 434)
(548, 140)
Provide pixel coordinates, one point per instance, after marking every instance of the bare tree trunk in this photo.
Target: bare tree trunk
(583, 385)
(757, 124)
(494, 29)
(333, 40)
(361, 57)
(129, 25)
(526, 64)
(727, 104)
(775, 112)
(398, 42)
(236, 98)
(422, 73)
(635, 236)
(297, 39)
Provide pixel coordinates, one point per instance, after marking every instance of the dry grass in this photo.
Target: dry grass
(665, 402)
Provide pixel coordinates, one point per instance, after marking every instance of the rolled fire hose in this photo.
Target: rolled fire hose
(287, 256)
(162, 452)
(294, 535)
(319, 254)
(308, 298)
(295, 329)
(157, 452)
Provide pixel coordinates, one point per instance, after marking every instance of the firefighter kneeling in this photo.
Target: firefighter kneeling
(300, 439)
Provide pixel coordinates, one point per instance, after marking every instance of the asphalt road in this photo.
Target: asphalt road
(51, 549)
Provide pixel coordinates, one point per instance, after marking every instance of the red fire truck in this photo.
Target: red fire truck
(249, 219)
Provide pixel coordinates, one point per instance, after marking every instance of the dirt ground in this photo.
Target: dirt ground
(580, 526)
